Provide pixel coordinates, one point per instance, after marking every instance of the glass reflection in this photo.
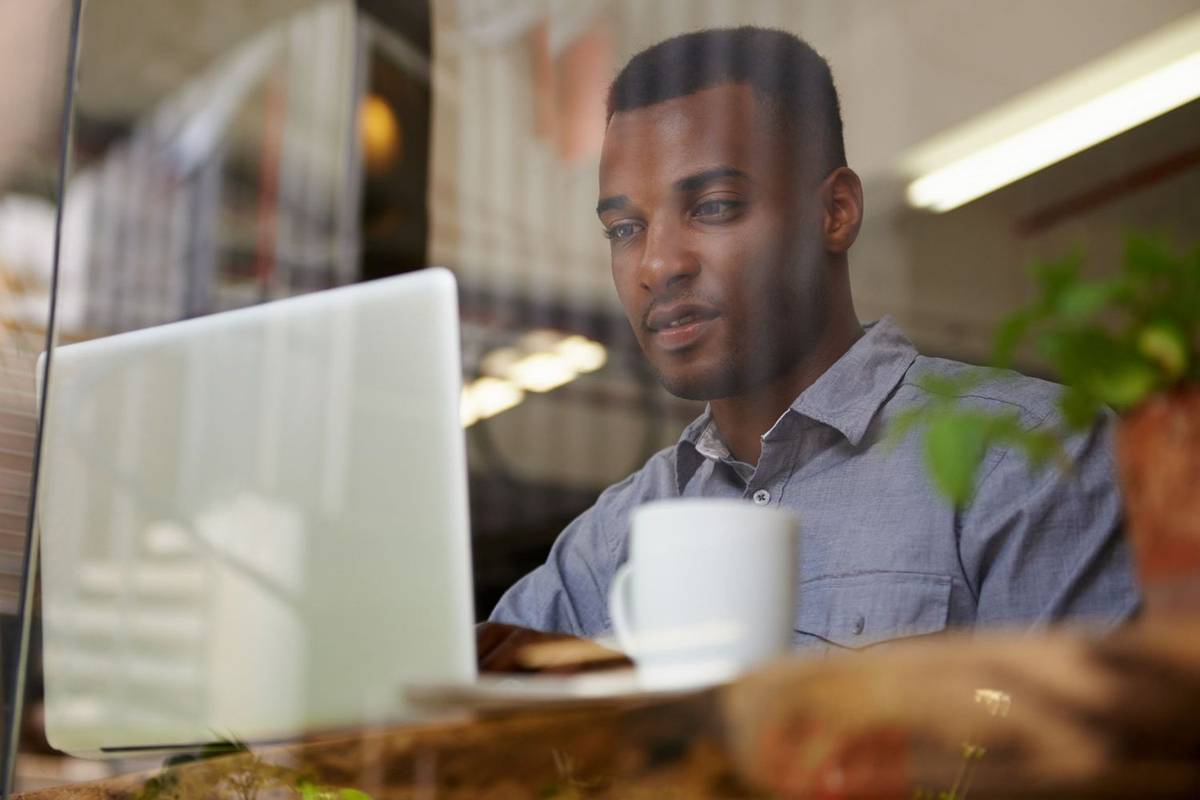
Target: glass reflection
(226, 154)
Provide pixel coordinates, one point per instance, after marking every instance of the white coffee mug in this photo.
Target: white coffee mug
(709, 589)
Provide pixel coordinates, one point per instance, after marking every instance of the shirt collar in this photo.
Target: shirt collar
(846, 397)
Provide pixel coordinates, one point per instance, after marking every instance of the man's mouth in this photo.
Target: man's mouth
(680, 326)
(684, 320)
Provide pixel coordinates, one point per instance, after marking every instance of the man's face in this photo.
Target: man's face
(716, 242)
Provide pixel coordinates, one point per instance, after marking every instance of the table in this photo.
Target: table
(1051, 715)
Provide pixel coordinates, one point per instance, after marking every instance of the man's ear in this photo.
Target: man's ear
(842, 197)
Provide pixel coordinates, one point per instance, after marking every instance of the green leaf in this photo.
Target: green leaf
(1041, 447)
(1124, 383)
(955, 445)
(1165, 345)
(1147, 257)
(315, 791)
(1083, 300)
(1079, 407)
(1054, 277)
(354, 794)
(941, 385)
(951, 387)
(1082, 352)
(1191, 268)
(1011, 334)
(902, 424)
(1006, 428)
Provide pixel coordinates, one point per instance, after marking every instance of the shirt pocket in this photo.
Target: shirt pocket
(866, 608)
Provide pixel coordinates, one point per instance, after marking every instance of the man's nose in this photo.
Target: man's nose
(667, 260)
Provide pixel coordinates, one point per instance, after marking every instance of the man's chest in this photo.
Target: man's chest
(878, 556)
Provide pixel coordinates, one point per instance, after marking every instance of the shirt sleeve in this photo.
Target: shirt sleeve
(1046, 545)
(569, 593)
(566, 594)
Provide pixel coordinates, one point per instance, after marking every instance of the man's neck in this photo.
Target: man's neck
(743, 419)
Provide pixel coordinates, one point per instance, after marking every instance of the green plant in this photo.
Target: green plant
(228, 768)
(957, 438)
(1113, 342)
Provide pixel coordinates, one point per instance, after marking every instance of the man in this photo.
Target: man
(729, 208)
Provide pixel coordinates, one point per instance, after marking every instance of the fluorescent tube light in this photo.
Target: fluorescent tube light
(1130, 86)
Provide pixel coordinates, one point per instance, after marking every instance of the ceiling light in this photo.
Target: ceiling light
(1130, 86)
(381, 133)
(467, 412)
(487, 397)
(541, 372)
(582, 353)
(499, 363)
(539, 340)
(544, 360)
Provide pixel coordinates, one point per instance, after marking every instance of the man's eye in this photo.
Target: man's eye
(622, 230)
(716, 209)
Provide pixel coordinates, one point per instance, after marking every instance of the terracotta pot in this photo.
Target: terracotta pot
(1158, 456)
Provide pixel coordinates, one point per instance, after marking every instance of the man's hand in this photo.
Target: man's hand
(508, 648)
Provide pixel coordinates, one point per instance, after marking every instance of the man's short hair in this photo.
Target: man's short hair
(791, 78)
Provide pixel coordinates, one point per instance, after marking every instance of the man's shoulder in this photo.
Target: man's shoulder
(995, 390)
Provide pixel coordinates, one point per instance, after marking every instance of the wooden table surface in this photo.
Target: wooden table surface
(1054, 715)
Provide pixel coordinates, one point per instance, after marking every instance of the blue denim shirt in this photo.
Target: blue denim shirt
(881, 554)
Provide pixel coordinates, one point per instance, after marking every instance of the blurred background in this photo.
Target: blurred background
(224, 153)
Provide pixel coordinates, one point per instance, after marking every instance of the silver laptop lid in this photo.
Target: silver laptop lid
(255, 523)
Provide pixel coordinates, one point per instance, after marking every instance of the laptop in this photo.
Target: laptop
(255, 523)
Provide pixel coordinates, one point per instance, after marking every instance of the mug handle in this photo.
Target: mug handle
(618, 607)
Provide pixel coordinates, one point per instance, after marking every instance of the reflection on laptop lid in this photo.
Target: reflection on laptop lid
(255, 523)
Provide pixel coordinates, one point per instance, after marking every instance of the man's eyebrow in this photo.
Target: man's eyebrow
(611, 203)
(689, 184)
(696, 182)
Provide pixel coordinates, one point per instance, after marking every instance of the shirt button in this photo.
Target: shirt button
(762, 497)
(860, 622)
